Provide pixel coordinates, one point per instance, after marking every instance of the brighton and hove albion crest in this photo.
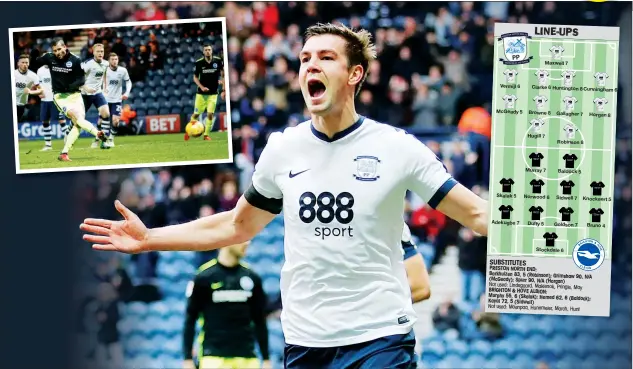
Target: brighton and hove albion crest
(515, 48)
(367, 168)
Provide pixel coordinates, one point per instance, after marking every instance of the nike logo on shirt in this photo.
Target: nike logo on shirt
(292, 175)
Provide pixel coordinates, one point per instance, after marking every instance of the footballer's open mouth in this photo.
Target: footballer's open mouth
(316, 88)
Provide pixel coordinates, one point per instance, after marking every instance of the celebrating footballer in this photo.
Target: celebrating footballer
(340, 180)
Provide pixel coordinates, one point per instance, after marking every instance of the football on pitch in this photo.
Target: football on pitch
(194, 128)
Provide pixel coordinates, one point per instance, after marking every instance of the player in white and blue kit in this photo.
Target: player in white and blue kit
(95, 70)
(48, 109)
(340, 180)
(115, 78)
(26, 83)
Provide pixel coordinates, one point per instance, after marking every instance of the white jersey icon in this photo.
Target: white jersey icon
(542, 76)
(509, 100)
(557, 51)
(568, 77)
(510, 75)
(570, 130)
(600, 102)
(569, 102)
(536, 124)
(94, 74)
(540, 101)
(601, 78)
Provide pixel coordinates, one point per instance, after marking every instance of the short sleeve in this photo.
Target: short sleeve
(36, 79)
(427, 176)
(197, 69)
(264, 176)
(126, 75)
(408, 247)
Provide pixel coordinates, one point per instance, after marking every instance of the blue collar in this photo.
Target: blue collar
(338, 135)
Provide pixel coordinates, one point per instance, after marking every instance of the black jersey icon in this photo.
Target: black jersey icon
(505, 211)
(536, 185)
(570, 160)
(567, 186)
(550, 238)
(536, 159)
(506, 184)
(596, 214)
(536, 212)
(597, 188)
(566, 213)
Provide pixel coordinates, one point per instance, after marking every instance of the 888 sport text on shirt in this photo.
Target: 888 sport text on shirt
(343, 200)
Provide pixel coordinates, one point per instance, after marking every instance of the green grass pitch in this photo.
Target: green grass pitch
(129, 150)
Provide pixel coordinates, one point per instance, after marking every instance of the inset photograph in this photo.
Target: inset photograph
(120, 95)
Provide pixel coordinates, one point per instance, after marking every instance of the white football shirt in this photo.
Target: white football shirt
(537, 124)
(542, 76)
(570, 130)
(540, 101)
(114, 84)
(509, 100)
(557, 51)
(601, 78)
(343, 280)
(569, 101)
(44, 74)
(568, 77)
(510, 75)
(22, 81)
(94, 74)
(600, 103)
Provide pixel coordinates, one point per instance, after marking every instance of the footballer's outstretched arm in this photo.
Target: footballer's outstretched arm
(467, 208)
(222, 229)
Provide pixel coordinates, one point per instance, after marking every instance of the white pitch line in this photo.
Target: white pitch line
(559, 41)
(550, 148)
(534, 226)
(534, 255)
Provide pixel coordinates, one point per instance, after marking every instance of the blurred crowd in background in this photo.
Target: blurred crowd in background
(433, 77)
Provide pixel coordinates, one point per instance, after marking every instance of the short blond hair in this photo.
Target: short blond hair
(360, 48)
(98, 45)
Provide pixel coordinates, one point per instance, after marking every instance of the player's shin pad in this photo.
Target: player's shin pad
(105, 126)
(114, 129)
(73, 135)
(209, 124)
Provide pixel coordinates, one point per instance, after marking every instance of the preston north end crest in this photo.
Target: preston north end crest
(367, 168)
(515, 48)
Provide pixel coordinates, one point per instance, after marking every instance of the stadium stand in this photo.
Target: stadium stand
(435, 65)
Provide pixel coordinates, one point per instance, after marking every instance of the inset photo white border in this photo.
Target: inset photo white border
(75, 165)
